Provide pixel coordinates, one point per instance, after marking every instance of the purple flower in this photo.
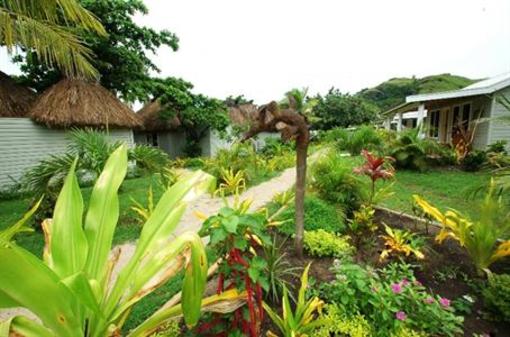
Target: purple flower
(401, 316)
(405, 282)
(396, 288)
(429, 300)
(444, 302)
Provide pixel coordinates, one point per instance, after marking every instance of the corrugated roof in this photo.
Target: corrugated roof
(483, 87)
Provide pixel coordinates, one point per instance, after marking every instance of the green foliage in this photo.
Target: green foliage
(321, 243)
(149, 159)
(474, 160)
(484, 236)
(496, 296)
(319, 214)
(394, 91)
(231, 182)
(342, 110)
(338, 324)
(498, 146)
(278, 270)
(365, 137)
(408, 151)
(390, 299)
(275, 147)
(49, 29)
(400, 241)
(301, 321)
(74, 275)
(335, 181)
(126, 41)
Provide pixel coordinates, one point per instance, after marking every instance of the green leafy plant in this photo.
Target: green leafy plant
(234, 235)
(144, 212)
(401, 242)
(481, 236)
(498, 147)
(496, 296)
(231, 182)
(303, 320)
(390, 299)
(321, 243)
(363, 220)
(338, 323)
(279, 270)
(334, 181)
(409, 150)
(81, 298)
(363, 138)
(474, 160)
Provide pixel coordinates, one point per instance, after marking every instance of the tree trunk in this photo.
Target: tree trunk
(301, 154)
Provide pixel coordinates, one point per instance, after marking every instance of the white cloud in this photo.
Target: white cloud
(263, 48)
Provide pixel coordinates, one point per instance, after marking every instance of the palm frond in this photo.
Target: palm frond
(36, 25)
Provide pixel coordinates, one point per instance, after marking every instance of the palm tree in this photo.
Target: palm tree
(48, 28)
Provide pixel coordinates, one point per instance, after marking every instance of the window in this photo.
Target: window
(461, 117)
(152, 139)
(434, 124)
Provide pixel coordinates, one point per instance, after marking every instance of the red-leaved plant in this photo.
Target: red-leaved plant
(375, 168)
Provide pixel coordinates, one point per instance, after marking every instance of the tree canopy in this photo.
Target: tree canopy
(46, 29)
(336, 109)
(121, 57)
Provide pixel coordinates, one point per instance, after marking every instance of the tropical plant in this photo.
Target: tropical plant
(374, 168)
(334, 181)
(339, 323)
(72, 290)
(364, 137)
(390, 299)
(303, 320)
(363, 219)
(234, 235)
(409, 150)
(150, 159)
(496, 296)
(481, 236)
(398, 241)
(231, 182)
(48, 29)
(498, 146)
(279, 270)
(473, 160)
(321, 243)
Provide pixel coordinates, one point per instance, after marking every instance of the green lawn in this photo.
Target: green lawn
(442, 187)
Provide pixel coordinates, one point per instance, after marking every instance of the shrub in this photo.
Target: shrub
(496, 296)
(334, 181)
(336, 135)
(337, 323)
(364, 138)
(474, 160)
(321, 243)
(389, 305)
(319, 214)
(498, 146)
(409, 151)
(275, 147)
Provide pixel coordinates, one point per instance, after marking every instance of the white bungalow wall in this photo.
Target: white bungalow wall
(23, 144)
(498, 129)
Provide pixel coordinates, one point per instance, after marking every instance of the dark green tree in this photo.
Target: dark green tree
(197, 113)
(121, 57)
(341, 110)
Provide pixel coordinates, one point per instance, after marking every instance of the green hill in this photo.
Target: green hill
(394, 91)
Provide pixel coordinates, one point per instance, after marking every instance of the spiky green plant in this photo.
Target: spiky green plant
(72, 290)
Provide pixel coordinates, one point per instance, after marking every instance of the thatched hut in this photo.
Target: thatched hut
(15, 100)
(32, 129)
(77, 103)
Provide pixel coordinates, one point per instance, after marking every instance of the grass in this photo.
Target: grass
(444, 188)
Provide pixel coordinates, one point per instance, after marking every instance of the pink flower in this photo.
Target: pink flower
(396, 288)
(429, 300)
(401, 316)
(405, 282)
(444, 302)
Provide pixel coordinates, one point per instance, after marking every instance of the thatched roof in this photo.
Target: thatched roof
(15, 100)
(243, 114)
(74, 102)
(151, 118)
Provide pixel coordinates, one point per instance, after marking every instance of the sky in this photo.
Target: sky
(264, 48)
